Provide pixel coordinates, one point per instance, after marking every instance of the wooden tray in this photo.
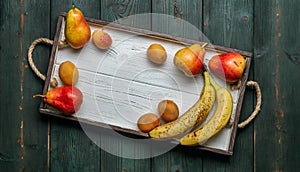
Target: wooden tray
(121, 84)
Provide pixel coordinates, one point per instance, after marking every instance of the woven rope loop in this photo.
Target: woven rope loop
(257, 107)
(53, 81)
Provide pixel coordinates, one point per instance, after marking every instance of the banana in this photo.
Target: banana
(192, 117)
(216, 123)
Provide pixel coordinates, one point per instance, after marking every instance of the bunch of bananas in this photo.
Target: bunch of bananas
(186, 125)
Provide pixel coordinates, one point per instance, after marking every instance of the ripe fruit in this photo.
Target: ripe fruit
(68, 73)
(147, 122)
(168, 110)
(190, 59)
(217, 122)
(101, 39)
(192, 118)
(228, 66)
(77, 31)
(67, 99)
(157, 53)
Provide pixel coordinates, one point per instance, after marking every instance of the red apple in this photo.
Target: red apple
(228, 66)
(190, 59)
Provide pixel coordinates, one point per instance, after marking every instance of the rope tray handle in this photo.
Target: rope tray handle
(257, 107)
(53, 81)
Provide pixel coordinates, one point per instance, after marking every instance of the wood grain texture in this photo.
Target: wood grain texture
(71, 149)
(179, 159)
(230, 24)
(118, 11)
(11, 60)
(35, 127)
(178, 18)
(129, 12)
(23, 131)
(178, 13)
(290, 21)
(121, 86)
(276, 44)
(270, 27)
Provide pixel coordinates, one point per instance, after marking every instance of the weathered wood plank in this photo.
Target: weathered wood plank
(178, 17)
(277, 69)
(35, 128)
(129, 12)
(288, 93)
(10, 73)
(71, 149)
(23, 132)
(230, 23)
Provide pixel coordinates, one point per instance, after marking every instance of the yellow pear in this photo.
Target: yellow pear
(77, 30)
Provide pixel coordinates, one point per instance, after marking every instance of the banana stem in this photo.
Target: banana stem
(204, 69)
(214, 83)
(206, 77)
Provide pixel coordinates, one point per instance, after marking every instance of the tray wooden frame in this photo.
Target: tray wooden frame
(45, 110)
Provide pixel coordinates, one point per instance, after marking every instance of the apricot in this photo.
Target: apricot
(68, 73)
(101, 39)
(157, 53)
(148, 122)
(168, 110)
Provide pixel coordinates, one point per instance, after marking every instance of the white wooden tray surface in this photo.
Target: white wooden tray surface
(121, 85)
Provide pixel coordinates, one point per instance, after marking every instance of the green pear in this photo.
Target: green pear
(77, 30)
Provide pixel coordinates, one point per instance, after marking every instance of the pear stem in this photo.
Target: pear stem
(214, 83)
(204, 45)
(73, 5)
(38, 95)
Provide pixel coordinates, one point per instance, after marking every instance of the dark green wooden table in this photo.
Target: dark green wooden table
(268, 28)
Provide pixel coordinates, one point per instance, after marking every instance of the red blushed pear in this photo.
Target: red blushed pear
(228, 66)
(77, 30)
(67, 99)
(190, 60)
